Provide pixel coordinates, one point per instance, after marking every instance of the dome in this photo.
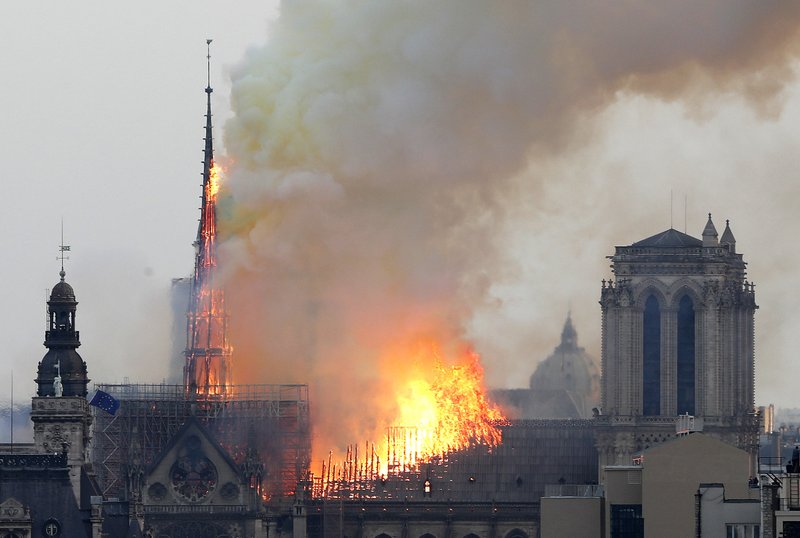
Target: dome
(62, 292)
(568, 368)
(72, 368)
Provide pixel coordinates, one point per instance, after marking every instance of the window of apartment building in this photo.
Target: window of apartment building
(791, 529)
(742, 530)
(626, 521)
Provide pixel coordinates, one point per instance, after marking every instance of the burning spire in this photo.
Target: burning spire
(208, 354)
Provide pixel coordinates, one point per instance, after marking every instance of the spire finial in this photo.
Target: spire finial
(62, 249)
(208, 58)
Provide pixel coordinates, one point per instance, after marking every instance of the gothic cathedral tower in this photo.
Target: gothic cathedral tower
(677, 339)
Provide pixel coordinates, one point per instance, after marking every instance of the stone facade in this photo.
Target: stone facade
(195, 489)
(677, 338)
(62, 424)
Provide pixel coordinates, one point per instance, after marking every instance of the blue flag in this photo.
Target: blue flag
(106, 402)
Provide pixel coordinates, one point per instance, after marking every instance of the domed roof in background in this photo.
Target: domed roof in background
(569, 367)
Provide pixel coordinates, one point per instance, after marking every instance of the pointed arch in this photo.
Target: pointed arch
(652, 288)
(651, 356)
(516, 533)
(682, 287)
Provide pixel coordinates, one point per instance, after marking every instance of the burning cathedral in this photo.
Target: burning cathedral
(211, 458)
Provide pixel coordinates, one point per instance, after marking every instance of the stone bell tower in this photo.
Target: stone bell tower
(677, 339)
(59, 411)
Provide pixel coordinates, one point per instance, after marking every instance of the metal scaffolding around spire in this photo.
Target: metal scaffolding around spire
(207, 371)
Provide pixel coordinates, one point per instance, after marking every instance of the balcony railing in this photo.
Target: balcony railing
(33, 461)
(195, 509)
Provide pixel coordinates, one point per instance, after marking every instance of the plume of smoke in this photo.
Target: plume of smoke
(375, 153)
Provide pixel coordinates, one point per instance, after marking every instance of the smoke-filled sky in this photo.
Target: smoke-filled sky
(397, 172)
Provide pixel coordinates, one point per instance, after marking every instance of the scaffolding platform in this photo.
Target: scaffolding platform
(272, 419)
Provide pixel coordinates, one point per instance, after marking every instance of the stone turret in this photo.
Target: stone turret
(710, 234)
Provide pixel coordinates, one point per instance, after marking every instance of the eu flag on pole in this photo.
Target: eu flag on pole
(105, 401)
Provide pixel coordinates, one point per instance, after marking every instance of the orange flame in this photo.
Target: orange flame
(441, 409)
(213, 181)
(208, 352)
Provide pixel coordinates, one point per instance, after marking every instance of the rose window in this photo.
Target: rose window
(193, 475)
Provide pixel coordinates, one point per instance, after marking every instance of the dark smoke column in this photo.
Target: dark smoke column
(208, 354)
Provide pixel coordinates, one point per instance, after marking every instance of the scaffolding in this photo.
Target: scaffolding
(531, 455)
(273, 420)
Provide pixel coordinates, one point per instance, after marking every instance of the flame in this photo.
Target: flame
(208, 352)
(215, 172)
(446, 413)
(440, 407)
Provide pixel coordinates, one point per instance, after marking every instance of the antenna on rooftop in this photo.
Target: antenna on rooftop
(12, 411)
(685, 205)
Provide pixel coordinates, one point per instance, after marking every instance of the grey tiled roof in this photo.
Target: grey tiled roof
(670, 238)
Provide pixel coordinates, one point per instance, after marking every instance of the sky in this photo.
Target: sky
(104, 123)
(541, 163)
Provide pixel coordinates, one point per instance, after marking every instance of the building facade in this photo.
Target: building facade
(677, 339)
(46, 488)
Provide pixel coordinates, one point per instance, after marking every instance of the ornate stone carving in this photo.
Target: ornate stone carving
(56, 439)
(193, 475)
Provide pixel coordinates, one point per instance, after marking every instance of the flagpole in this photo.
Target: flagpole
(12, 410)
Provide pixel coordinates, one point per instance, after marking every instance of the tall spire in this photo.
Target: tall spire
(208, 152)
(208, 354)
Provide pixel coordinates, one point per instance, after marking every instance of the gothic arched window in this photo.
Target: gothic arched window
(651, 358)
(686, 356)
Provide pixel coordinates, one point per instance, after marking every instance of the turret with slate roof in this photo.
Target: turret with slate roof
(727, 239)
(710, 234)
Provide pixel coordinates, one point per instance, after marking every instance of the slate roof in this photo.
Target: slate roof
(727, 235)
(669, 239)
(47, 491)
